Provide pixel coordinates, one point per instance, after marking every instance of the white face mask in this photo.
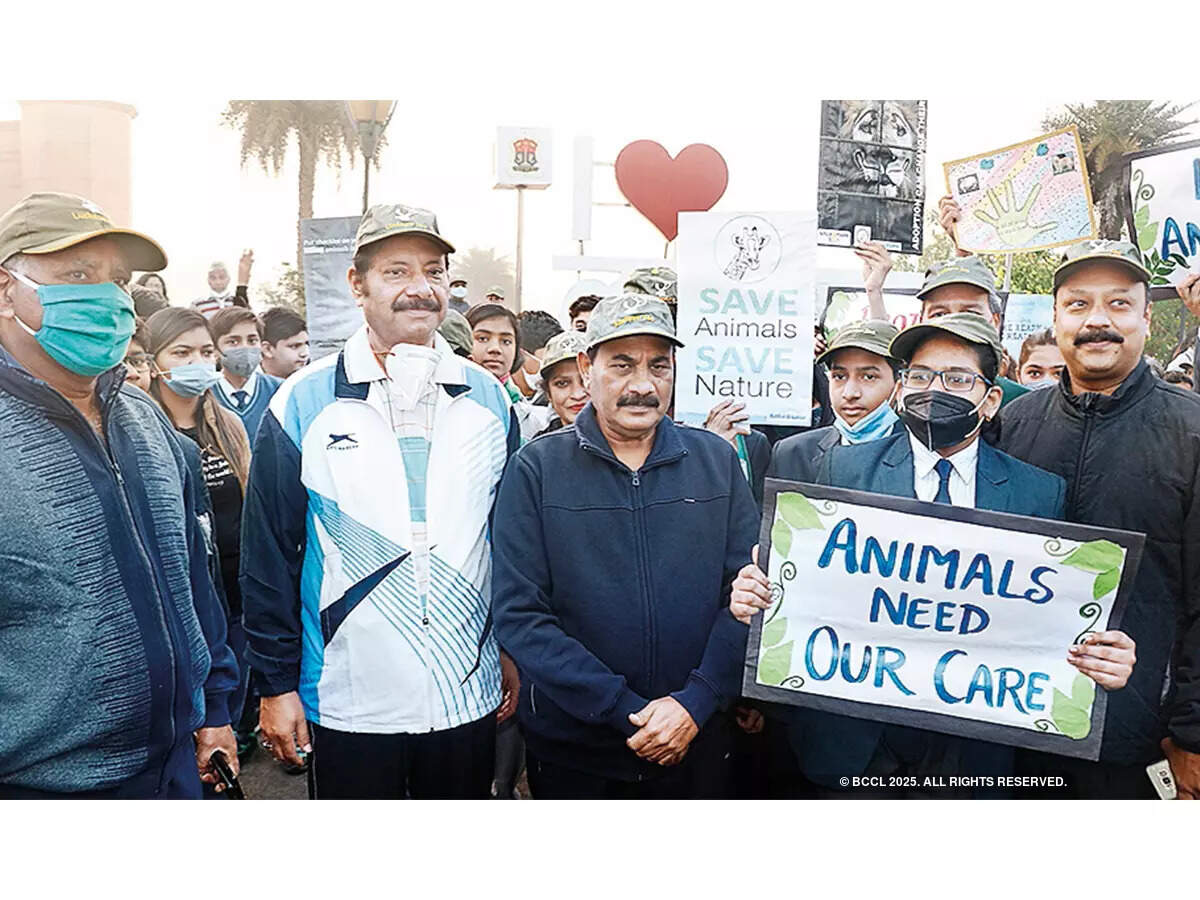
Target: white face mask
(458, 292)
(410, 370)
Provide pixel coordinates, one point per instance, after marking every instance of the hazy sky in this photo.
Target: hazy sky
(190, 192)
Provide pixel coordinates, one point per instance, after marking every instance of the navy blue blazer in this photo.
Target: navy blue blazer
(798, 458)
(829, 746)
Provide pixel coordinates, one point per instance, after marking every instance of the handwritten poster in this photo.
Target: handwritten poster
(1028, 196)
(1164, 187)
(746, 315)
(944, 618)
(1025, 314)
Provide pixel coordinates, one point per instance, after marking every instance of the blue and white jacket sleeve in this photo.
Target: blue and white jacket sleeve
(718, 678)
(273, 533)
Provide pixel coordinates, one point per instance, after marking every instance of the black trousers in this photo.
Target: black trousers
(704, 774)
(455, 764)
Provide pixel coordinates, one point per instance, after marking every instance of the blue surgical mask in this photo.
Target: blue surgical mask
(241, 361)
(85, 327)
(1039, 385)
(192, 379)
(874, 425)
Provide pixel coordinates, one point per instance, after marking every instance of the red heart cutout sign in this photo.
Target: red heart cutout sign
(660, 188)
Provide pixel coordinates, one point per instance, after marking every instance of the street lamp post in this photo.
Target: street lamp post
(370, 118)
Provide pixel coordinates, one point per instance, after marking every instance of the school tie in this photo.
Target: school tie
(943, 467)
(240, 398)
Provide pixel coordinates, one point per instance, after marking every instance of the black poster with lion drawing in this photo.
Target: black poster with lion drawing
(871, 181)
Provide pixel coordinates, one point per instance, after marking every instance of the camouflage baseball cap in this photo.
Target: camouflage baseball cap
(627, 315)
(48, 222)
(657, 281)
(457, 331)
(873, 335)
(385, 220)
(563, 346)
(1115, 251)
(960, 270)
(496, 291)
(970, 327)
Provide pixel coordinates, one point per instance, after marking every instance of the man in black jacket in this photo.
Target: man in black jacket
(1129, 447)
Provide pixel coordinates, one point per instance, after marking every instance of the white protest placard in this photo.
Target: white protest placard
(944, 618)
(1164, 187)
(844, 305)
(1025, 314)
(746, 283)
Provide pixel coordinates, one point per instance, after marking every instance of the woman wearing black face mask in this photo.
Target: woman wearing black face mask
(946, 392)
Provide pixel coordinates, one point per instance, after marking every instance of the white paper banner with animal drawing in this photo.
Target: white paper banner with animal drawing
(746, 295)
(1028, 196)
(950, 619)
(871, 180)
(1164, 187)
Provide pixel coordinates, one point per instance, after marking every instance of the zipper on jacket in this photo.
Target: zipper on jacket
(1086, 404)
(106, 451)
(639, 529)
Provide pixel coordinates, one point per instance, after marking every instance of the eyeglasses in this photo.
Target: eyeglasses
(958, 382)
(139, 361)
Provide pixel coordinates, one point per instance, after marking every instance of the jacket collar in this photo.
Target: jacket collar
(668, 445)
(18, 380)
(357, 368)
(1136, 385)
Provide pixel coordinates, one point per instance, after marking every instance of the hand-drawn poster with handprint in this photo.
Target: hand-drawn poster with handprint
(871, 180)
(745, 315)
(1164, 188)
(945, 618)
(1028, 196)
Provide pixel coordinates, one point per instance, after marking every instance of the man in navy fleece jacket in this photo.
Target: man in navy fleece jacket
(621, 537)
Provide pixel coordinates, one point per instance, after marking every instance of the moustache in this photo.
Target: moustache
(427, 304)
(1095, 337)
(647, 400)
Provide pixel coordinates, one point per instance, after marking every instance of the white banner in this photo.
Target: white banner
(746, 289)
(957, 620)
(1165, 198)
(1025, 314)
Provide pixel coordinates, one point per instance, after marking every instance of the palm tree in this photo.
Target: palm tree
(483, 269)
(1108, 129)
(321, 128)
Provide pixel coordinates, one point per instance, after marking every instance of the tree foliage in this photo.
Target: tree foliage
(287, 291)
(1108, 130)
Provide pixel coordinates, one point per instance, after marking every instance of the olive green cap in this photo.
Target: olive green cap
(657, 281)
(873, 335)
(1114, 251)
(627, 315)
(47, 222)
(959, 270)
(494, 291)
(970, 327)
(385, 220)
(457, 331)
(563, 346)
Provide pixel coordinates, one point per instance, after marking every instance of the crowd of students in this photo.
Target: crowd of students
(474, 542)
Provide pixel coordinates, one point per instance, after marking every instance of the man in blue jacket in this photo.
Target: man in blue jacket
(622, 535)
(945, 395)
(115, 679)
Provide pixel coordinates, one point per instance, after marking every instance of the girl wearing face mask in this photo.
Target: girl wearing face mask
(183, 370)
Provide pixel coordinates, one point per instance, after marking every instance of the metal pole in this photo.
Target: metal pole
(520, 244)
(366, 181)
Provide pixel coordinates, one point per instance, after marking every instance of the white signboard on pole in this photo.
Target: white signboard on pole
(746, 291)
(522, 157)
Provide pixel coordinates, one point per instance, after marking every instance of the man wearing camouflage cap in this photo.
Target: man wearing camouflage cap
(657, 281)
(611, 586)
(367, 542)
(963, 283)
(116, 679)
(945, 393)
(862, 378)
(1126, 443)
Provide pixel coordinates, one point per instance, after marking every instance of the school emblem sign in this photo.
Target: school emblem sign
(523, 157)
